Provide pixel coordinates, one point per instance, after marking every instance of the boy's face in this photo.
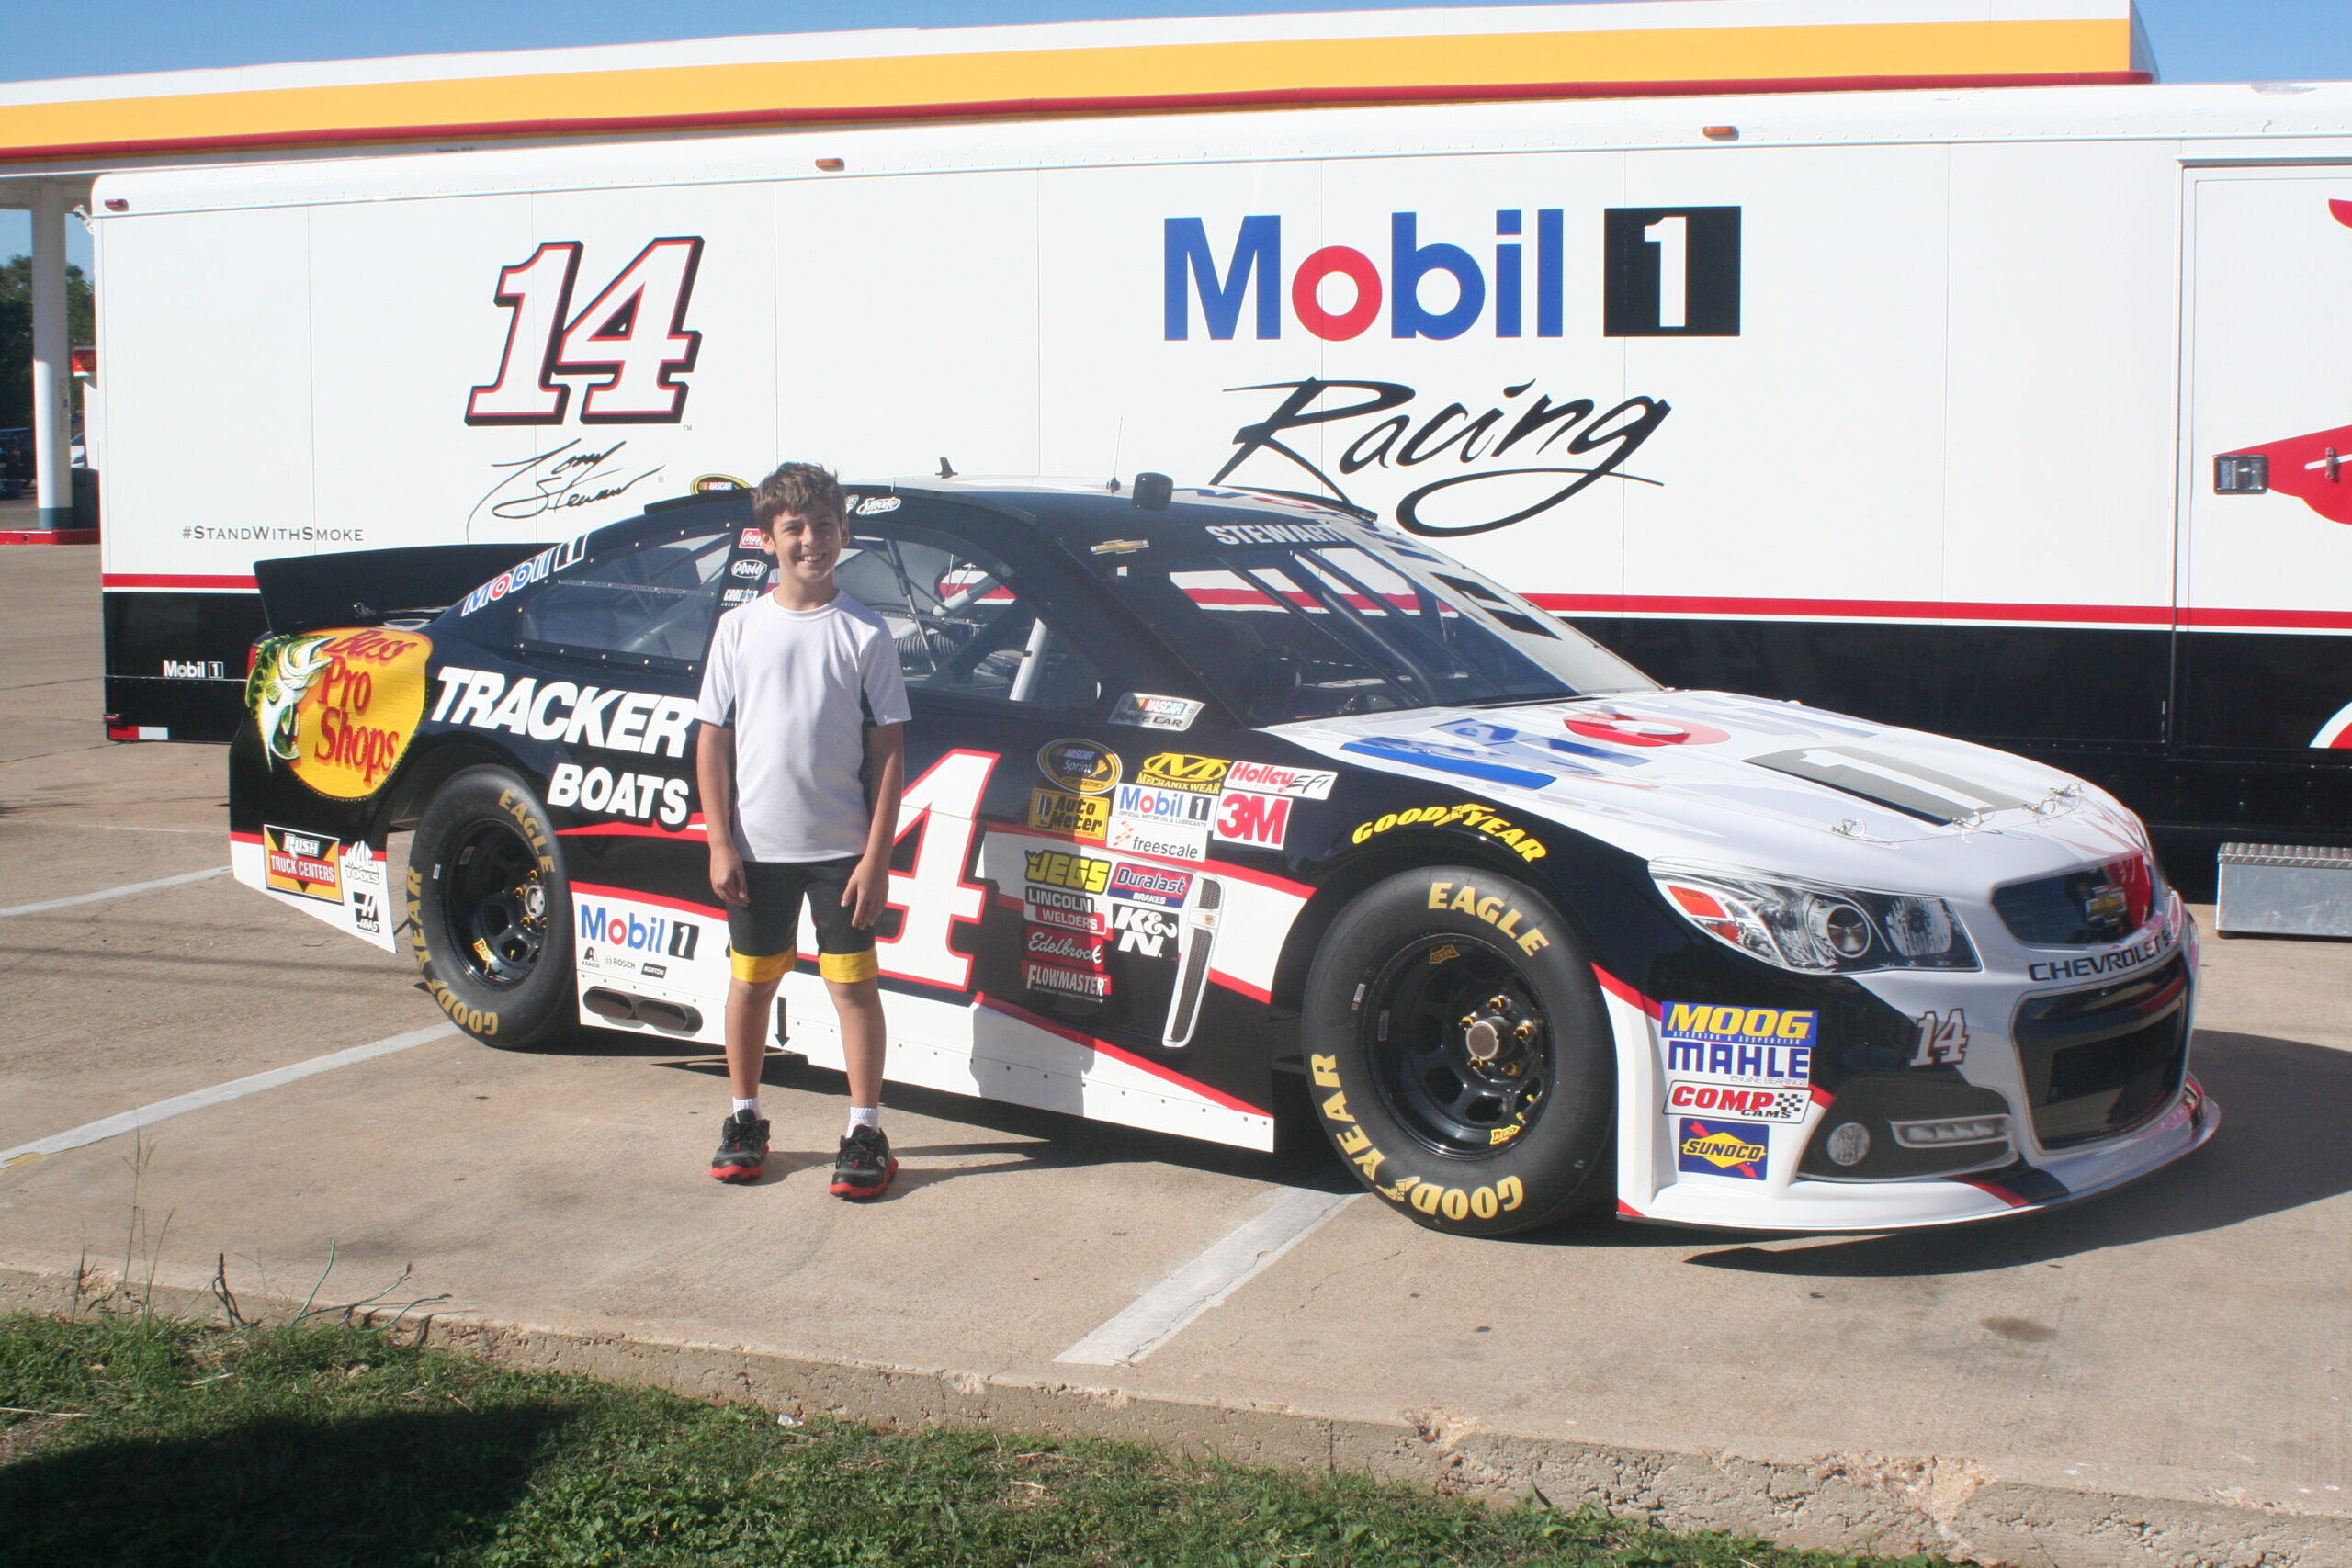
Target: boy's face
(807, 546)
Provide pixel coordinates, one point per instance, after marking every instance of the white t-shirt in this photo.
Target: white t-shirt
(799, 687)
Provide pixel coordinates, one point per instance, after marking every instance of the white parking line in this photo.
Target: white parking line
(124, 891)
(1288, 1217)
(235, 1088)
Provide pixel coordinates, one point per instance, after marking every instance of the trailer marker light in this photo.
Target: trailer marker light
(117, 204)
(1720, 132)
(832, 165)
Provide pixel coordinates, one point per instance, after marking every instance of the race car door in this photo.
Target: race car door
(2264, 630)
(1022, 972)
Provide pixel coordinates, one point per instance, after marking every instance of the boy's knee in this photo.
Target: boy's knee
(761, 973)
(843, 970)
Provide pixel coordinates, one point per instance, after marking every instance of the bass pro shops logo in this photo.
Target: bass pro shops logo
(1666, 272)
(338, 707)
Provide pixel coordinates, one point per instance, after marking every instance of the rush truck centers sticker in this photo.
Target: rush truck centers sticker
(302, 863)
(339, 707)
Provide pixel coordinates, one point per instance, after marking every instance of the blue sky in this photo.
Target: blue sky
(2196, 40)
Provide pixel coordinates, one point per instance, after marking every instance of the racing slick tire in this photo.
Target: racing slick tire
(1459, 1055)
(489, 911)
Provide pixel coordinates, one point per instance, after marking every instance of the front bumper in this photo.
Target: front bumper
(2081, 1060)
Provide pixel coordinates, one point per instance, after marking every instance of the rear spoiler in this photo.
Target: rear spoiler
(360, 587)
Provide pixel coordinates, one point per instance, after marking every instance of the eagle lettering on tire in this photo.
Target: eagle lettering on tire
(1458, 1053)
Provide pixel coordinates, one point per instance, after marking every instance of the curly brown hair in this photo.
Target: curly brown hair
(803, 489)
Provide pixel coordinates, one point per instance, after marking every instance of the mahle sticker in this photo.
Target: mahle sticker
(339, 707)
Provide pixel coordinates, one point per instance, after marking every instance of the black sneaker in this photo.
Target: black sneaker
(865, 1167)
(742, 1148)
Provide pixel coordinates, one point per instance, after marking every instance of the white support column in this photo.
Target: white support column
(53, 370)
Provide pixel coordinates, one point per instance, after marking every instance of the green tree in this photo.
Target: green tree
(17, 335)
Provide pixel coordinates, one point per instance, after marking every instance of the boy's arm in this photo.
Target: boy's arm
(715, 776)
(869, 893)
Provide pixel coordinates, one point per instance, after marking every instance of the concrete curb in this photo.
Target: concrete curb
(1848, 1502)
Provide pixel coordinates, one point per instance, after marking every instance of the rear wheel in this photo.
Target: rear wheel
(1459, 1055)
(490, 910)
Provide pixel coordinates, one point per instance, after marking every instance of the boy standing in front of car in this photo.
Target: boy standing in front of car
(800, 762)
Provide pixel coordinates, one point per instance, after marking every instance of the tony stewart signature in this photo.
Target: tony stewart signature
(1394, 440)
(563, 477)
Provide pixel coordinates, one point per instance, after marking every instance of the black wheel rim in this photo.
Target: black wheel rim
(496, 904)
(1460, 1047)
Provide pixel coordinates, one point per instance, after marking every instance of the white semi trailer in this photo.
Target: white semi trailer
(2018, 413)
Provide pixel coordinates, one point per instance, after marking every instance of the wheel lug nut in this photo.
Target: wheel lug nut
(1468, 1018)
(1499, 1004)
(1524, 1033)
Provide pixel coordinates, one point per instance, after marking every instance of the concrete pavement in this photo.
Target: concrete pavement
(2155, 1377)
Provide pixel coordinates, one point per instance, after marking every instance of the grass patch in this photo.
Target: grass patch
(156, 1442)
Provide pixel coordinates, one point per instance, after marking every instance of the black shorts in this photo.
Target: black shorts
(763, 937)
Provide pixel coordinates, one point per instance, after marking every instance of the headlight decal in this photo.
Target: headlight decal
(1814, 929)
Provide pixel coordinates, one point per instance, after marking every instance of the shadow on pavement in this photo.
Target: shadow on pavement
(2281, 1146)
(376, 1492)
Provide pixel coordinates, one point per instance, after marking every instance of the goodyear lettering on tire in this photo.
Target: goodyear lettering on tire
(1526, 845)
(1482, 1202)
(474, 1020)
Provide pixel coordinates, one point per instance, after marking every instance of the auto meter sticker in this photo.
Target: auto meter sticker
(305, 864)
(1087, 766)
(1633, 729)
(1786, 1105)
(1705, 1146)
(1765, 1047)
(1179, 769)
(1271, 778)
(1526, 845)
(1080, 815)
(339, 707)
(1146, 712)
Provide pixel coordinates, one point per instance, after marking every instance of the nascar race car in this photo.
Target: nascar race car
(1208, 785)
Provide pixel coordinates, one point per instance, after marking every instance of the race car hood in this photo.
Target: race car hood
(1741, 781)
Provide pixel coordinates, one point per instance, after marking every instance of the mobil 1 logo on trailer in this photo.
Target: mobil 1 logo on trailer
(1670, 272)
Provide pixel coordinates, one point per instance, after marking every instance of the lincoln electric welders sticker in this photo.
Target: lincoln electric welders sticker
(1766, 1047)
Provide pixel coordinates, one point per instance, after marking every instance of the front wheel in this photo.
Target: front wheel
(1460, 1057)
(490, 910)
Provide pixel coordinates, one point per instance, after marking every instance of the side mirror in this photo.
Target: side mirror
(1153, 491)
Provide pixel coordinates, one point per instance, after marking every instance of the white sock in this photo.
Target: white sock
(752, 1105)
(864, 1116)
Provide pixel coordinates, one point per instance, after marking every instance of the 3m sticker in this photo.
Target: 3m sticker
(1243, 817)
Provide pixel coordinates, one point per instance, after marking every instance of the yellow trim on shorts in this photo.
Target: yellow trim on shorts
(848, 968)
(756, 970)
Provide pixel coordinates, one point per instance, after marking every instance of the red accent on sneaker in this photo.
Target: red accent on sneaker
(851, 1191)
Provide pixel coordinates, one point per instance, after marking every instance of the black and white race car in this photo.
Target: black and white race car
(1208, 785)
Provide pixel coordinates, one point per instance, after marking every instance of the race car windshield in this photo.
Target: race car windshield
(1287, 632)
